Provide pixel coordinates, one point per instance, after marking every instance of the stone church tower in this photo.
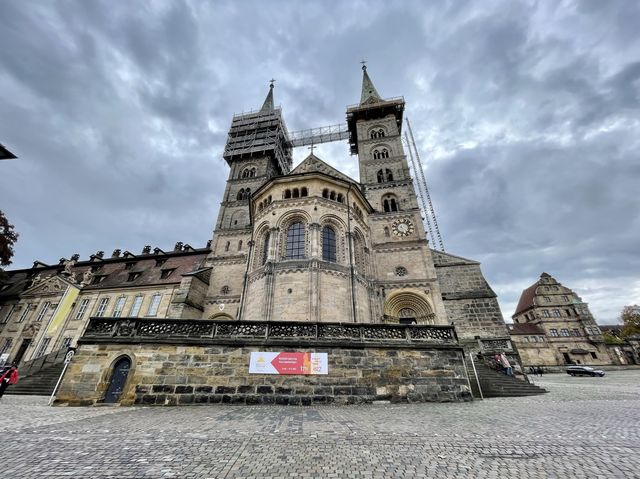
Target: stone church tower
(312, 244)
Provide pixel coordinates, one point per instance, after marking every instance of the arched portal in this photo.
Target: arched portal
(407, 307)
(118, 380)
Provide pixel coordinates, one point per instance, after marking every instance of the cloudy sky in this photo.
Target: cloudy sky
(526, 114)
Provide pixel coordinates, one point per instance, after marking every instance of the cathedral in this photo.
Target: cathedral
(301, 258)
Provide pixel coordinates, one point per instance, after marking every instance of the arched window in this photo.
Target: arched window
(380, 133)
(295, 241)
(376, 154)
(240, 194)
(260, 207)
(373, 134)
(269, 200)
(388, 175)
(380, 176)
(226, 248)
(304, 191)
(332, 196)
(386, 231)
(247, 193)
(389, 204)
(240, 245)
(384, 153)
(328, 244)
(340, 198)
(325, 193)
(287, 194)
(265, 248)
(245, 173)
(296, 193)
(252, 173)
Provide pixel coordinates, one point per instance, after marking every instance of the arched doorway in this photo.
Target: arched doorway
(408, 307)
(118, 380)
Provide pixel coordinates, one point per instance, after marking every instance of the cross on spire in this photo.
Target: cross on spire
(271, 82)
(311, 148)
(364, 64)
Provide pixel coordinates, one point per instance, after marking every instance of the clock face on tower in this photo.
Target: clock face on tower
(402, 227)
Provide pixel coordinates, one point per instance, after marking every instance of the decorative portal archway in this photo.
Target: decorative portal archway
(118, 379)
(406, 307)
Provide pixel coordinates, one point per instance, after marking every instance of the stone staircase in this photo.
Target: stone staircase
(39, 376)
(496, 384)
(38, 384)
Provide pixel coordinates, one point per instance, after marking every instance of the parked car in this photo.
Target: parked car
(584, 371)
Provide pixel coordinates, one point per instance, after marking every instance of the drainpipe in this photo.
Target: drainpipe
(351, 270)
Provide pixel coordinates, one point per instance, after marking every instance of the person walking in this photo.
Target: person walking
(9, 377)
(508, 370)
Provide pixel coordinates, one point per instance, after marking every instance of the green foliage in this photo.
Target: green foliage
(631, 320)
(8, 237)
(611, 339)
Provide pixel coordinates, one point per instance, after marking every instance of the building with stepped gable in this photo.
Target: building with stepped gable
(552, 327)
(301, 259)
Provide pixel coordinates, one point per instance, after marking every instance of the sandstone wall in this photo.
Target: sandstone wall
(170, 374)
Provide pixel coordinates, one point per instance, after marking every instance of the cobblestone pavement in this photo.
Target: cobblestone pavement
(584, 428)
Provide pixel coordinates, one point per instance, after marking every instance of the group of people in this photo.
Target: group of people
(536, 370)
(8, 377)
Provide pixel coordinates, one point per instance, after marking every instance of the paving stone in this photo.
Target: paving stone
(584, 428)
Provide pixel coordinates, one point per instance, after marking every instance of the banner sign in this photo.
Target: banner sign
(288, 363)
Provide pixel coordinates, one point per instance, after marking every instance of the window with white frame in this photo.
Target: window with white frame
(25, 313)
(154, 305)
(66, 343)
(43, 347)
(43, 311)
(102, 307)
(84, 304)
(545, 313)
(564, 332)
(135, 307)
(119, 306)
(6, 318)
(6, 346)
(553, 332)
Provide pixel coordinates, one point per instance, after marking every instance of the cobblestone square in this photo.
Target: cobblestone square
(584, 428)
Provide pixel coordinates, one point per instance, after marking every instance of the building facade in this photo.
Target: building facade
(553, 327)
(292, 245)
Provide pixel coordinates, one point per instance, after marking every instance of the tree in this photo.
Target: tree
(8, 237)
(631, 320)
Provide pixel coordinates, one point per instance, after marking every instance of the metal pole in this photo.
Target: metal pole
(473, 365)
(67, 360)
(55, 390)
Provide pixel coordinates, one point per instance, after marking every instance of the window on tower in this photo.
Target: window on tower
(389, 204)
(384, 175)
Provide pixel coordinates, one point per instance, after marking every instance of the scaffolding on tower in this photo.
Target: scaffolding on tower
(423, 190)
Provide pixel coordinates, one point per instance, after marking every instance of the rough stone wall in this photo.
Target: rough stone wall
(469, 301)
(170, 375)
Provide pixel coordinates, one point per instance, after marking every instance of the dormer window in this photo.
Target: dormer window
(165, 273)
(133, 276)
(160, 262)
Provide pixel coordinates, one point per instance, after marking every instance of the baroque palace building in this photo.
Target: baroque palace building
(303, 245)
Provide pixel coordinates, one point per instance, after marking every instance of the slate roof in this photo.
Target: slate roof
(525, 328)
(115, 271)
(526, 299)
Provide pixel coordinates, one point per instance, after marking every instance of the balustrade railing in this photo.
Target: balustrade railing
(175, 329)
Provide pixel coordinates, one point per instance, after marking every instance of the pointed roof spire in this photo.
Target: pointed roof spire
(369, 92)
(268, 102)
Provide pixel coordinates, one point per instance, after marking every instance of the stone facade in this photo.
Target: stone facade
(306, 244)
(208, 363)
(569, 331)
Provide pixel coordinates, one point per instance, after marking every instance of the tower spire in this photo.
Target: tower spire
(268, 102)
(369, 92)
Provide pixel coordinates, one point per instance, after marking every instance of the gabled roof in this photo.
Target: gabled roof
(526, 299)
(313, 164)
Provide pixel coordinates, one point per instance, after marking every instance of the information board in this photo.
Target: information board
(288, 363)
